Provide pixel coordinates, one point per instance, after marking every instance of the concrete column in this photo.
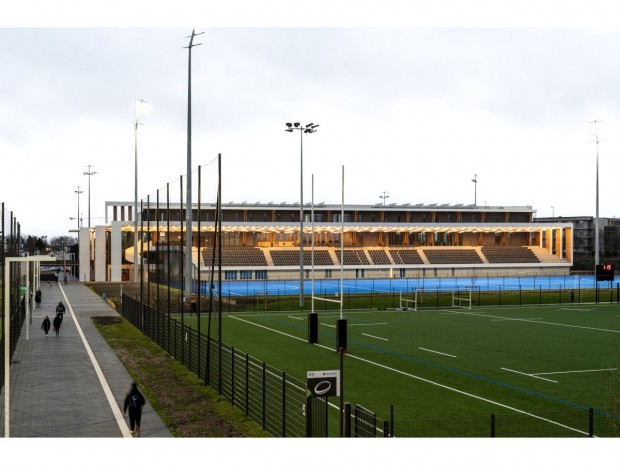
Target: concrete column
(100, 255)
(116, 252)
(84, 240)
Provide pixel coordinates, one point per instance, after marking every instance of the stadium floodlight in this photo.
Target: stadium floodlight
(308, 129)
(89, 173)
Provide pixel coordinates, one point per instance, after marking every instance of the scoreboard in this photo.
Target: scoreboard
(605, 272)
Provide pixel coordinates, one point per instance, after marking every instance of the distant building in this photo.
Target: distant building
(584, 239)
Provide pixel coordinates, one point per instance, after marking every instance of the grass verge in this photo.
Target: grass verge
(186, 406)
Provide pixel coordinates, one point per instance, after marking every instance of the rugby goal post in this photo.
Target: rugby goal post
(462, 298)
(409, 304)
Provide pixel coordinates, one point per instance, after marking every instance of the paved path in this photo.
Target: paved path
(71, 385)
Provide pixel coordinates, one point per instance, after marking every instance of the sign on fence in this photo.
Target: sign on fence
(324, 383)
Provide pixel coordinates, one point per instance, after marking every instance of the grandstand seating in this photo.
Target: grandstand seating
(235, 256)
(263, 257)
(379, 257)
(288, 257)
(406, 257)
(449, 255)
(509, 254)
(353, 257)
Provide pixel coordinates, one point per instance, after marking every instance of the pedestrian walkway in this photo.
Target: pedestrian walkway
(70, 385)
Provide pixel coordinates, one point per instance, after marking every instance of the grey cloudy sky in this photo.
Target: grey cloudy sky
(412, 111)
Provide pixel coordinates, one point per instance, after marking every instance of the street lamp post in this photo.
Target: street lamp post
(89, 173)
(78, 192)
(307, 129)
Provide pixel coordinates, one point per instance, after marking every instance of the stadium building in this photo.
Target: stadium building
(261, 241)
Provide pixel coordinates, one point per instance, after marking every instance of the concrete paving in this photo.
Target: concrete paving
(70, 385)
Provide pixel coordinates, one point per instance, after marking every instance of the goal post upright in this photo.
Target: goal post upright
(403, 303)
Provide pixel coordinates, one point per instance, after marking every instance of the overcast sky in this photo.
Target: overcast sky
(414, 112)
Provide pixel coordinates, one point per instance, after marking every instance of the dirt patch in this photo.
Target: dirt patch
(107, 320)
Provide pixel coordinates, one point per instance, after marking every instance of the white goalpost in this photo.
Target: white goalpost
(461, 298)
(409, 304)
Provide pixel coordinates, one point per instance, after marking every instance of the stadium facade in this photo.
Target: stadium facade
(262, 241)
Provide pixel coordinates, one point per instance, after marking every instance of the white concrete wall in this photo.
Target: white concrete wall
(116, 254)
(100, 258)
(84, 239)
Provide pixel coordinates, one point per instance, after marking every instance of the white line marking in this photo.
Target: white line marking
(367, 324)
(575, 371)
(329, 326)
(527, 374)
(435, 352)
(544, 322)
(572, 310)
(500, 318)
(104, 384)
(295, 317)
(422, 379)
(376, 337)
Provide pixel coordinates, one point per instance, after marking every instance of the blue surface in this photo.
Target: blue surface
(356, 286)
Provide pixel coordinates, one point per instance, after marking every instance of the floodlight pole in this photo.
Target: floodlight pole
(475, 181)
(384, 196)
(596, 226)
(135, 193)
(188, 209)
(309, 129)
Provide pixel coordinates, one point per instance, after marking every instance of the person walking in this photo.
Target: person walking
(57, 321)
(46, 325)
(134, 401)
(60, 310)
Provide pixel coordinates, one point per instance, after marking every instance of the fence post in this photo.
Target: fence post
(492, 425)
(264, 395)
(283, 404)
(347, 420)
(232, 376)
(247, 385)
(391, 420)
(591, 422)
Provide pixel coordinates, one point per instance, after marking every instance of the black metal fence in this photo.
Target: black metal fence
(271, 398)
(566, 423)
(10, 247)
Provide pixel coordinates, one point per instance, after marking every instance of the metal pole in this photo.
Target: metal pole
(301, 220)
(596, 226)
(188, 214)
(7, 346)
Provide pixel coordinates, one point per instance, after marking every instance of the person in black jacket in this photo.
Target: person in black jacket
(57, 321)
(46, 325)
(134, 402)
(60, 310)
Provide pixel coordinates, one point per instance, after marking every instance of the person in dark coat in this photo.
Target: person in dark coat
(134, 401)
(57, 321)
(60, 310)
(46, 325)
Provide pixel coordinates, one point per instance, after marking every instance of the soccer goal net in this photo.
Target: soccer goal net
(462, 298)
(409, 304)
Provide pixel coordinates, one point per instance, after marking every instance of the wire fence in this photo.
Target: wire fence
(10, 247)
(270, 397)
